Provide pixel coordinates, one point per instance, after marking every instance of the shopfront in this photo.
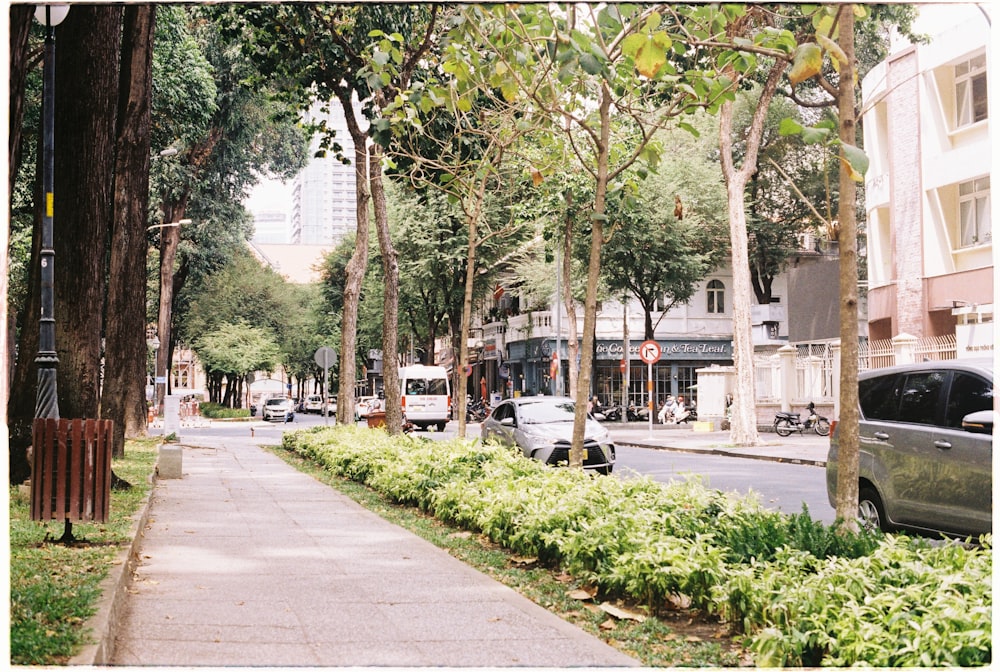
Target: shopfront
(673, 374)
(530, 367)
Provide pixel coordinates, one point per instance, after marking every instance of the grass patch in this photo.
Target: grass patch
(673, 639)
(54, 587)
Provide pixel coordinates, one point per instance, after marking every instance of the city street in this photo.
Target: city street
(781, 486)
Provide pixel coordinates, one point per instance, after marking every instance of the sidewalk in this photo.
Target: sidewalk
(247, 562)
(808, 448)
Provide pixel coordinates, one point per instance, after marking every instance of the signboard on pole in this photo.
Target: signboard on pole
(650, 352)
(325, 357)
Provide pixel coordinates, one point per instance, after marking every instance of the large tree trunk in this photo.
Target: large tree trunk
(390, 319)
(847, 431)
(743, 423)
(170, 238)
(572, 338)
(20, 28)
(593, 276)
(21, 17)
(355, 269)
(123, 394)
(87, 58)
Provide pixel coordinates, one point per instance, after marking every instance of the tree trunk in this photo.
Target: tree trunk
(572, 338)
(593, 276)
(170, 238)
(87, 56)
(847, 431)
(390, 305)
(123, 394)
(355, 270)
(20, 28)
(743, 423)
(21, 17)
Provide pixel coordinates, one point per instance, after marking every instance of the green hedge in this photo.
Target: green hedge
(802, 594)
(213, 411)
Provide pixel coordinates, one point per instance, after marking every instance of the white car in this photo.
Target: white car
(542, 428)
(314, 404)
(279, 408)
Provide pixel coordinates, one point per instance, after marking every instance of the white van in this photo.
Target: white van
(426, 395)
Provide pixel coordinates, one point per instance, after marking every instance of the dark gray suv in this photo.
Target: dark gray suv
(925, 448)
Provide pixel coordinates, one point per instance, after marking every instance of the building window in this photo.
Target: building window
(970, 91)
(716, 297)
(974, 212)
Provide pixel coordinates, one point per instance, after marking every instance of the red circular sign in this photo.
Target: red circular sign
(650, 352)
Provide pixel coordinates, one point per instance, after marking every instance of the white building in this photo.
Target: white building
(927, 134)
(324, 192)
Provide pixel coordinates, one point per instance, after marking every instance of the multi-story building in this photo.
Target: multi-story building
(271, 227)
(930, 239)
(324, 192)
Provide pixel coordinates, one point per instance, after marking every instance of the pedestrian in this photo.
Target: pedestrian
(667, 411)
(681, 411)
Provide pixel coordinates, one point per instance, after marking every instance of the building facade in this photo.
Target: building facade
(324, 193)
(927, 193)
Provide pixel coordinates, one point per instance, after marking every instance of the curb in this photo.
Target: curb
(114, 589)
(729, 453)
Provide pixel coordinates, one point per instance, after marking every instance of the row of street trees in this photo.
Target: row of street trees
(569, 106)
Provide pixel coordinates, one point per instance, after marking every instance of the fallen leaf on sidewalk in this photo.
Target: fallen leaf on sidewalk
(609, 624)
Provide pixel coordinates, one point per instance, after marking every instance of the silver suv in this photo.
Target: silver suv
(925, 448)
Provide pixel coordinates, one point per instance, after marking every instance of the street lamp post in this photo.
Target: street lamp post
(154, 343)
(46, 400)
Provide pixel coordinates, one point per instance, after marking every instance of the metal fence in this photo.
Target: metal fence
(815, 365)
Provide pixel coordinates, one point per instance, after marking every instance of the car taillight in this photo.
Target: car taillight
(403, 403)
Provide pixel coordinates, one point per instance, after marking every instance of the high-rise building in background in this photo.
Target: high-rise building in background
(317, 207)
(271, 227)
(324, 193)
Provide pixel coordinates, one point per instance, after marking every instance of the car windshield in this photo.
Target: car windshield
(541, 412)
(275, 402)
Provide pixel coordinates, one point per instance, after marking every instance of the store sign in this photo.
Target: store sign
(670, 349)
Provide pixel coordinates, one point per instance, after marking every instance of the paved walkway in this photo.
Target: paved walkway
(247, 562)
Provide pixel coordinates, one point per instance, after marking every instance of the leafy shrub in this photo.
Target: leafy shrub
(214, 411)
(804, 594)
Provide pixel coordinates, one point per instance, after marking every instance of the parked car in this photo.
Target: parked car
(331, 406)
(925, 448)
(279, 408)
(314, 404)
(542, 428)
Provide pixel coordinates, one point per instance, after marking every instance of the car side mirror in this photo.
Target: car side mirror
(980, 422)
(507, 422)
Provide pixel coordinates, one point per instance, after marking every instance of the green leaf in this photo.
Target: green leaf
(855, 159)
(590, 64)
(789, 126)
(807, 62)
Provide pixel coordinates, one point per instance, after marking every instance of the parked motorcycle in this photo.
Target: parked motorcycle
(476, 411)
(612, 413)
(636, 413)
(786, 423)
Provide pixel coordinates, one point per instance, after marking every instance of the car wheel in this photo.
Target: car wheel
(783, 427)
(871, 512)
(823, 427)
(441, 426)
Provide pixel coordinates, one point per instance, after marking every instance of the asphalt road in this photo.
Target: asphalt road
(784, 487)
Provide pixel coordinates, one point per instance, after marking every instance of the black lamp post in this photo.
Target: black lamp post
(46, 401)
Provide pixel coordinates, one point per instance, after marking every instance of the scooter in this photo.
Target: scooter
(636, 413)
(786, 423)
(612, 413)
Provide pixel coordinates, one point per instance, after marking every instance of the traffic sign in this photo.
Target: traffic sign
(325, 357)
(650, 352)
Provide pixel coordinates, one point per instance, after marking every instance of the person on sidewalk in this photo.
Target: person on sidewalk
(667, 410)
(681, 411)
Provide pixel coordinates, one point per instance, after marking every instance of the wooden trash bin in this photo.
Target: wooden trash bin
(376, 419)
(71, 470)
